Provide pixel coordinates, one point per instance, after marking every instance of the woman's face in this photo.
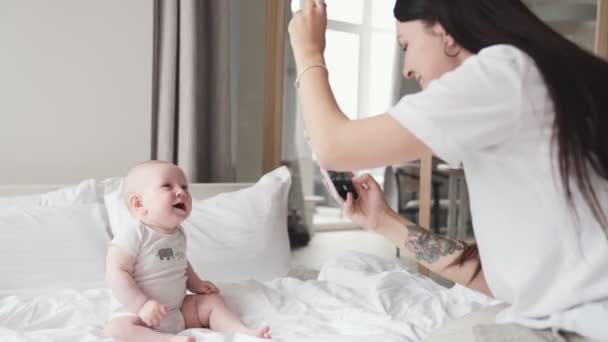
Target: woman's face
(425, 49)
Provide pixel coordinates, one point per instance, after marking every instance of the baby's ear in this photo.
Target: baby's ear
(135, 204)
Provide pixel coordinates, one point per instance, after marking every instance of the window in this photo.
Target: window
(361, 55)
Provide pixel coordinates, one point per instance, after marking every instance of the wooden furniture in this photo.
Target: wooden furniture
(601, 29)
(424, 215)
(273, 85)
(458, 198)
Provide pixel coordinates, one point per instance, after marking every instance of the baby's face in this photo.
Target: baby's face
(165, 197)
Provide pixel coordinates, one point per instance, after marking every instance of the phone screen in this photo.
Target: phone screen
(343, 184)
(341, 181)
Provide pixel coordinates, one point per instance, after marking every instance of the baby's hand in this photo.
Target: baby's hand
(152, 313)
(207, 287)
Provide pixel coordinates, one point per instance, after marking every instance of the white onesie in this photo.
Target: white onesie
(159, 271)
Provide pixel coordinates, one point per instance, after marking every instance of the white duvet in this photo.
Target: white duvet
(356, 297)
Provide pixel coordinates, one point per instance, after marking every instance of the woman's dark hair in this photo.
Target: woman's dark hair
(576, 79)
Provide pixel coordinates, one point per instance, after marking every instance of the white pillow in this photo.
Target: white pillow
(58, 247)
(232, 236)
(119, 215)
(243, 234)
(84, 192)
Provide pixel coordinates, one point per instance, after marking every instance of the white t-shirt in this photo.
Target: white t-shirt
(494, 115)
(160, 267)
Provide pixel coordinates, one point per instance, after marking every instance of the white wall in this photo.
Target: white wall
(75, 88)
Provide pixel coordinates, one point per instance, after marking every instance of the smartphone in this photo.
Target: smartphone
(340, 182)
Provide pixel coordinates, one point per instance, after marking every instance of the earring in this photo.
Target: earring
(445, 51)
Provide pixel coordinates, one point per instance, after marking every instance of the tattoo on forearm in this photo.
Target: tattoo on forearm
(429, 247)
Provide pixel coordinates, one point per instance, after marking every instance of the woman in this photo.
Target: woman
(525, 112)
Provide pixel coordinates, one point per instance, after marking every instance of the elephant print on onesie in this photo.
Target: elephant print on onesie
(165, 253)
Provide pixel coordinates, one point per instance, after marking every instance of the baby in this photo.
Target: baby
(147, 269)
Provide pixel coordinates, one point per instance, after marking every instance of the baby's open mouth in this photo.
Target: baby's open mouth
(180, 206)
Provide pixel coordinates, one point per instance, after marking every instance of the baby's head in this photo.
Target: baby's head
(157, 194)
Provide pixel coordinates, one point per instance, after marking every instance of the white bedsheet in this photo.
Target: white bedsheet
(356, 297)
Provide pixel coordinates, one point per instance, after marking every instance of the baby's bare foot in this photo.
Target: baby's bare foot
(183, 339)
(263, 332)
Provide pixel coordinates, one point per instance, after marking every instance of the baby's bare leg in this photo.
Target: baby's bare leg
(132, 329)
(210, 311)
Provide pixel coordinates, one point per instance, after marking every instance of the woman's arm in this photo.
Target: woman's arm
(343, 144)
(339, 143)
(440, 255)
(437, 253)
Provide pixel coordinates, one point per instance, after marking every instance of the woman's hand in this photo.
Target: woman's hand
(307, 33)
(370, 209)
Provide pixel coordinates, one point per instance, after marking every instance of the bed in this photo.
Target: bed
(53, 240)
